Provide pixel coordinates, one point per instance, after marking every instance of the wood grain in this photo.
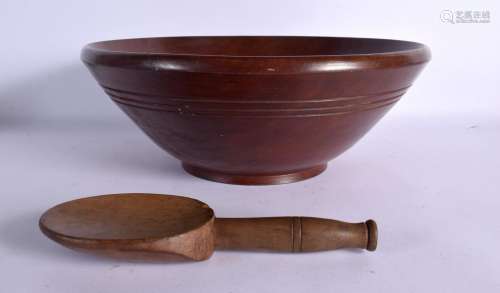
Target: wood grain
(292, 234)
(255, 110)
(168, 227)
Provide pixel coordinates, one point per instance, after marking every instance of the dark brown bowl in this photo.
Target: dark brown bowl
(255, 110)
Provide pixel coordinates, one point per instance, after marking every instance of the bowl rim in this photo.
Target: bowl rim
(91, 54)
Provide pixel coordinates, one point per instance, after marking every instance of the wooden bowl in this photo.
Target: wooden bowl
(255, 110)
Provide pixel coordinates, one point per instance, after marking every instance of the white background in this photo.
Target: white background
(428, 172)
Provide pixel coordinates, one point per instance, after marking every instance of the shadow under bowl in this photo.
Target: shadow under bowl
(255, 110)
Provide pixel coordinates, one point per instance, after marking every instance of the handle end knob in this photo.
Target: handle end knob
(371, 244)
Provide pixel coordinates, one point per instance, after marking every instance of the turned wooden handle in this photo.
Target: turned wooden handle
(293, 234)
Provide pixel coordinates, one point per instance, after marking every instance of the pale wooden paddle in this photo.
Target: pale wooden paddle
(168, 227)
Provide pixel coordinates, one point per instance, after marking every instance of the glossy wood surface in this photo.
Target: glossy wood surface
(255, 110)
(166, 227)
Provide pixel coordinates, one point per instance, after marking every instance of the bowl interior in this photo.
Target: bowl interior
(126, 216)
(257, 46)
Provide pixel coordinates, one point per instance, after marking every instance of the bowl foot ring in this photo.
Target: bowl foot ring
(267, 179)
